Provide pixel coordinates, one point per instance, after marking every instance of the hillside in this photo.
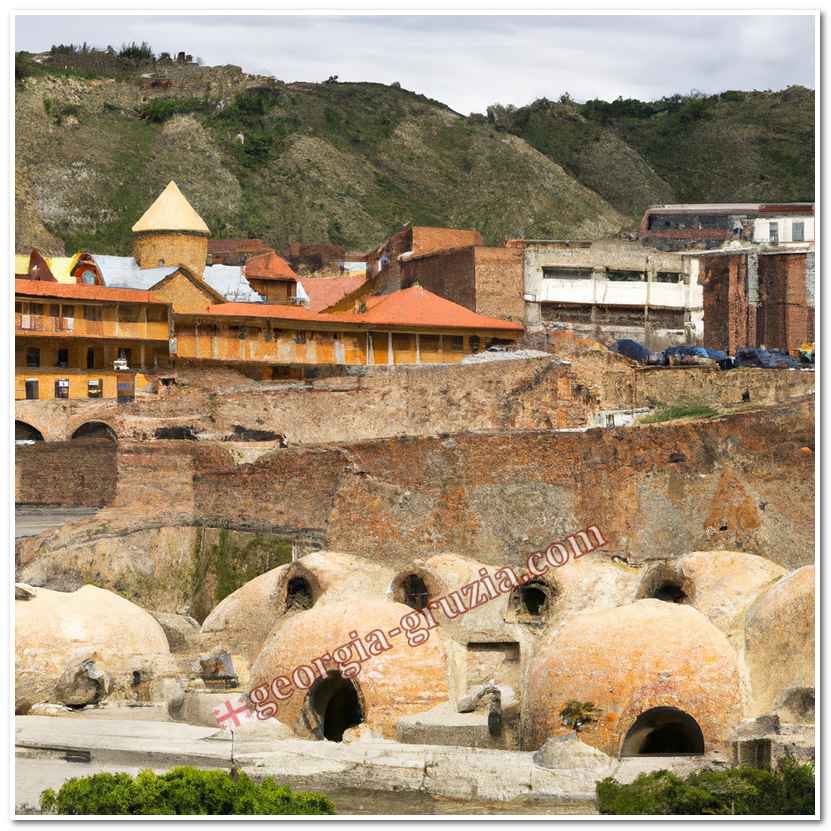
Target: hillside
(337, 162)
(736, 146)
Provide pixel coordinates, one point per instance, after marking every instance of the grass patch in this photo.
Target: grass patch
(676, 411)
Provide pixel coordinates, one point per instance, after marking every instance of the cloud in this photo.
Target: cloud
(469, 62)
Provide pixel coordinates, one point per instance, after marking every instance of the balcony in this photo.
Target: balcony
(80, 327)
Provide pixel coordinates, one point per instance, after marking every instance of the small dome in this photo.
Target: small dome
(779, 639)
(647, 658)
(51, 628)
(398, 681)
(171, 212)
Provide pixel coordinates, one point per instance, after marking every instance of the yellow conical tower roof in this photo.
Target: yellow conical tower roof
(171, 212)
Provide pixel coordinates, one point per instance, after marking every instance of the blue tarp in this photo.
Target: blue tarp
(634, 350)
(765, 358)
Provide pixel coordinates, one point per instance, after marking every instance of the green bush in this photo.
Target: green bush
(159, 110)
(743, 790)
(180, 791)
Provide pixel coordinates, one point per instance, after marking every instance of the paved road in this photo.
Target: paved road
(31, 520)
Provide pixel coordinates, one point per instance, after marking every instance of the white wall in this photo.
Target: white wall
(761, 228)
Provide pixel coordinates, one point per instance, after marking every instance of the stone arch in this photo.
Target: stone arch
(414, 587)
(333, 705)
(668, 583)
(25, 432)
(663, 731)
(95, 430)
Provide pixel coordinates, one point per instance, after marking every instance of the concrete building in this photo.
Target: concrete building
(610, 289)
(710, 225)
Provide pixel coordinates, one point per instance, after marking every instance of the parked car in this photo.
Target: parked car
(696, 356)
(765, 358)
(634, 350)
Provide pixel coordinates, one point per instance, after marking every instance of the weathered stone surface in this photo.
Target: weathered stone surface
(403, 679)
(179, 629)
(720, 584)
(779, 639)
(56, 629)
(569, 753)
(628, 660)
(82, 682)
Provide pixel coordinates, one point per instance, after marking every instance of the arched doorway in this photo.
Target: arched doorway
(95, 430)
(663, 731)
(26, 434)
(335, 704)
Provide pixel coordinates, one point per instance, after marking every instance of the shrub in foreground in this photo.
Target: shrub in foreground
(743, 790)
(182, 790)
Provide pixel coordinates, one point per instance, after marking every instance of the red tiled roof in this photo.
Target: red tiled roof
(81, 291)
(269, 266)
(326, 291)
(413, 307)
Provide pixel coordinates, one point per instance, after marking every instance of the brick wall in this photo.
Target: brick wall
(449, 274)
(78, 473)
(499, 278)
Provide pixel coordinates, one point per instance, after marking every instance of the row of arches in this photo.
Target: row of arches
(27, 433)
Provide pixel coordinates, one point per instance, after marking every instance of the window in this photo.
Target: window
(773, 233)
(668, 277)
(90, 358)
(475, 343)
(798, 232)
(558, 273)
(33, 357)
(62, 388)
(31, 389)
(92, 313)
(95, 388)
(54, 310)
(63, 358)
(125, 355)
(156, 314)
(456, 343)
(299, 337)
(88, 277)
(625, 276)
(128, 314)
(428, 343)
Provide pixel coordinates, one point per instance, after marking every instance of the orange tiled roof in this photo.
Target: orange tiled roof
(326, 291)
(413, 307)
(269, 266)
(81, 291)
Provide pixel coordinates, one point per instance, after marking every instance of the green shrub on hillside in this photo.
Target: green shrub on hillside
(690, 410)
(789, 790)
(181, 791)
(159, 110)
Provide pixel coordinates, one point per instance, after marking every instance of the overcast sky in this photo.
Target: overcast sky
(468, 62)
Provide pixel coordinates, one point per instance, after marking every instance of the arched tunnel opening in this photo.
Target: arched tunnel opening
(670, 591)
(25, 433)
(663, 731)
(95, 430)
(337, 705)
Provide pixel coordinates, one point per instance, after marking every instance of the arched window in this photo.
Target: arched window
(299, 594)
(531, 602)
(414, 592)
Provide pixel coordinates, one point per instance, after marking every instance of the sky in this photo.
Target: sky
(469, 62)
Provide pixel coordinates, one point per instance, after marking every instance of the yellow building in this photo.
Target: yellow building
(91, 325)
(80, 341)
